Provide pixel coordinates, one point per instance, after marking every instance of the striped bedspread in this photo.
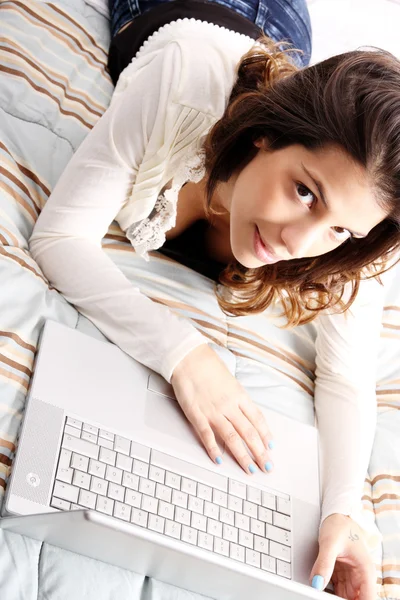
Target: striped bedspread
(53, 88)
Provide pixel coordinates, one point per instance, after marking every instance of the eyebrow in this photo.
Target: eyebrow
(322, 193)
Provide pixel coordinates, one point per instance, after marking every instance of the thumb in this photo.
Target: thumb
(323, 567)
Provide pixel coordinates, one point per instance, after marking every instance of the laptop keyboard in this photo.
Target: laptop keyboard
(119, 477)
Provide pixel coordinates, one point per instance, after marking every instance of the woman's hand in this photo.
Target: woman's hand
(343, 556)
(215, 403)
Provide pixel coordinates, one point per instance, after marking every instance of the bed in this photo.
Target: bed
(53, 88)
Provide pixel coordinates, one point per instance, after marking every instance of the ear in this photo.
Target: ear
(259, 143)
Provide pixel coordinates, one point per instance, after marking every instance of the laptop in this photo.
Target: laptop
(109, 467)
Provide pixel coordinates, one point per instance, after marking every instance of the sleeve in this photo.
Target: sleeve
(345, 402)
(97, 182)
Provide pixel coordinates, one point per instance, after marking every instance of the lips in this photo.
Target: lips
(267, 247)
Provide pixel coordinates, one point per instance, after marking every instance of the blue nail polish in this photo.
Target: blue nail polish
(268, 466)
(218, 460)
(252, 469)
(271, 444)
(318, 582)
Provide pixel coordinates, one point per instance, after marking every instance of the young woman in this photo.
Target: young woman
(278, 179)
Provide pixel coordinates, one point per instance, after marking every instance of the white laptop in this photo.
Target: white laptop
(109, 467)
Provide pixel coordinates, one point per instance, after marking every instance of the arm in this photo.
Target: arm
(345, 402)
(96, 184)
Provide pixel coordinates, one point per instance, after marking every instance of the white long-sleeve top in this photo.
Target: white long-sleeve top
(148, 141)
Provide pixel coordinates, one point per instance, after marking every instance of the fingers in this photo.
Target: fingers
(251, 436)
(206, 434)
(257, 419)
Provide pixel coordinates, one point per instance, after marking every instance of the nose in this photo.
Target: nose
(299, 239)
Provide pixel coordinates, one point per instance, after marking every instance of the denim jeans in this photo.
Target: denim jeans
(280, 20)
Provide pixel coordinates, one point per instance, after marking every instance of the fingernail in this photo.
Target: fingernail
(252, 468)
(271, 444)
(268, 466)
(218, 460)
(318, 582)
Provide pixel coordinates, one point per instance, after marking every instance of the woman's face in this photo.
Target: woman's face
(303, 203)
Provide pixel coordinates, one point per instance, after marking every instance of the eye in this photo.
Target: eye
(341, 235)
(306, 196)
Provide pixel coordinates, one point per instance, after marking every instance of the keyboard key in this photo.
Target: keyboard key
(139, 517)
(173, 480)
(105, 505)
(107, 456)
(179, 498)
(264, 514)
(130, 480)
(257, 527)
(99, 486)
(60, 504)
(122, 445)
(156, 523)
(182, 516)
(74, 423)
(156, 474)
(284, 506)
(173, 529)
(122, 511)
(282, 521)
(79, 462)
(227, 516)
(139, 451)
(204, 492)
(220, 498)
(167, 510)
(250, 509)
(163, 492)
(235, 503)
(189, 486)
(65, 459)
(283, 569)
(230, 533)
(90, 429)
(105, 443)
(133, 498)
(113, 474)
(253, 558)
(246, 539)
(80, 446)
(279, 551)
(268, 563)
(90, 437)
(242, 522)
(278, 535)
(189, 535)
(198, 521)
(81, 479)
(237, 552)
(147, 487)
(124, 462)
(196, 504)
(237, 488)
(253, 495)
(190, 470)
(72, 431)
(87, 499)
(65, 474)
(140, 468)
(261, 544)
(268, 500)
(211, 510)
(221, 546)
(97, 468)
(205, 540)
(214, 527)
(116, 492)
(149, 504)
(106, 435)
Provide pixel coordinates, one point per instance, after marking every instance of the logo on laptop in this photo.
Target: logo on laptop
(33, 479)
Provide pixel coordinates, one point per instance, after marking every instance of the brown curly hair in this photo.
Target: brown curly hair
(351, 100)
